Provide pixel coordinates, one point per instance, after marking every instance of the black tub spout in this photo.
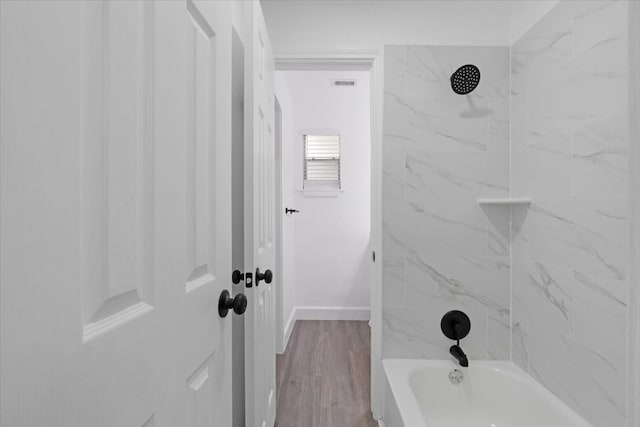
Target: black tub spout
(456, 351)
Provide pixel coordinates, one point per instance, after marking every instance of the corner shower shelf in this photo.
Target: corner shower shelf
(506, 202)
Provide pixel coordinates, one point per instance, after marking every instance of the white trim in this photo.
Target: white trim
(332, 313)
(288, 330)
(321, 313)
(633, 337)
(329, 132)
(354, 60)
(322, 193)
(281, 341)
(377, 110)
(381, 423)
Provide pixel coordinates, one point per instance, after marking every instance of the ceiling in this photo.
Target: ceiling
(321, 26)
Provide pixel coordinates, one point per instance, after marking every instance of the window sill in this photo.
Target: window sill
(333, 192)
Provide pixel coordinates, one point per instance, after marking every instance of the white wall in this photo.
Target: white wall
(288, 221)
(331, 233)
(524, 14)
(328, 26)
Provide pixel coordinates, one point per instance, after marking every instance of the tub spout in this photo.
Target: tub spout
(456, 351)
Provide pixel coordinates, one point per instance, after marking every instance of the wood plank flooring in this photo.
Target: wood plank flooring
(323, 378)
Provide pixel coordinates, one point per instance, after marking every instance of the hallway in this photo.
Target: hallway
(323, 378)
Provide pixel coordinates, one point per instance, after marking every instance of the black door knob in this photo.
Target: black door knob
(226, 303)
(267, 276)
(237, 276)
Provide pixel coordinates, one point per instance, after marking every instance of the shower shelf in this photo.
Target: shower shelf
(508, 202)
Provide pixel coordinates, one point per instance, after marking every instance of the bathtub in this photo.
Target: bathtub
(492, 394)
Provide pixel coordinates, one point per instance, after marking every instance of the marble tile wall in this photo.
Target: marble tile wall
(569, 139)
(442, 251)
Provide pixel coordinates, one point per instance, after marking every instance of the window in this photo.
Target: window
(322, 160)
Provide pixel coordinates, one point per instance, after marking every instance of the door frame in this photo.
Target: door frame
(277, 141)
(364, 60)
(633, 348)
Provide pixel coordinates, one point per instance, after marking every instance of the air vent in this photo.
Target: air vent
(343, 83)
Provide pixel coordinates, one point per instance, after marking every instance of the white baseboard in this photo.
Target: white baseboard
(322, 313)
(288, 328)
(332, 313)
(381, 423)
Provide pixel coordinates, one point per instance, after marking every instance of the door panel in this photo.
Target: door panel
(259, 222)
(115, 213)
(200, 167)
(116, 165)
(201, 385)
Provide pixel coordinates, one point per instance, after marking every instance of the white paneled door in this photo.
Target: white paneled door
(260, 332)
(115, 213)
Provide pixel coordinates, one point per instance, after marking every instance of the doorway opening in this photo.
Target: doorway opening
(323, 129)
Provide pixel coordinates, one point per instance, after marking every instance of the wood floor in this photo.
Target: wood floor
(323, 378)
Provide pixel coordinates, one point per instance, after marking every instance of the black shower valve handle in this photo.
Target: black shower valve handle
(455, 325)
(458, 330)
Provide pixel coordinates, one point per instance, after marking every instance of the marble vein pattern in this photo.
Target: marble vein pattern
(441, 152)
(569, 138)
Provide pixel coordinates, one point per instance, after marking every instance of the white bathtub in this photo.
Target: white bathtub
(493, 394)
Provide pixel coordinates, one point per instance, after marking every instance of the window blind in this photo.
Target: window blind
(322, 158)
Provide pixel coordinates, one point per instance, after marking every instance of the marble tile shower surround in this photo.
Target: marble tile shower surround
(441, 152)
(569, 139)
(545, 285)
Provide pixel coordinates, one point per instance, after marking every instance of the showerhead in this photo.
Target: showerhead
(465, 79)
